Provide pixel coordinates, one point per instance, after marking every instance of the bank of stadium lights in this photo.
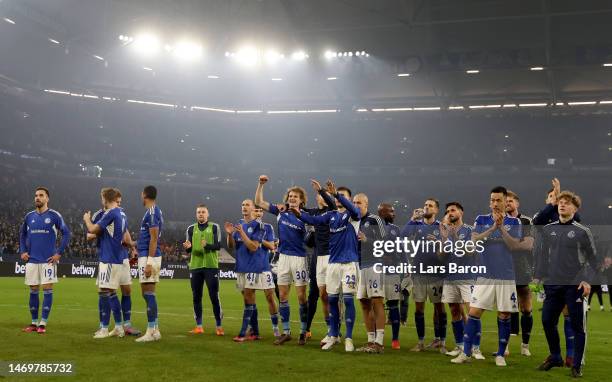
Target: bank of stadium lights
(536, 68)
(186, 51)
(9, 21)
(472, 71)
(403, 74)
(145, 44)
(299, 55)
(54, 41)
(332, 78)
(607, 64)
(329, 54)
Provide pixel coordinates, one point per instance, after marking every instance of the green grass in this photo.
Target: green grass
(179, 356)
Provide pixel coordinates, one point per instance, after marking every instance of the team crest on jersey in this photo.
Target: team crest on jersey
(553, 233)
(436, 232)
(47, 220)
(250, 230)
(487, 226)
(461, 236)
(333, 218)
(393, 232)
(367, 224)
(33, 221)
(507, 227)
(571, 234)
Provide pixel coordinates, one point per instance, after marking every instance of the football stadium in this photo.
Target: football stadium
(262, 190)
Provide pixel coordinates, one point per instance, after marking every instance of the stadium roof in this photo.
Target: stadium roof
(524, 51)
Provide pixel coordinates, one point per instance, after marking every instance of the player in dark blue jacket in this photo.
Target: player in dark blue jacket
(567, 267)
(37, 247)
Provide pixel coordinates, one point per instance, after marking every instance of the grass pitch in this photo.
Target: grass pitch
(180, 356)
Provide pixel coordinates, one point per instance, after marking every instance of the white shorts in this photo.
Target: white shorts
(491, 294)
(109, 275)
(292, 269)
(322, 262)
(142, 263)
(342, 278)
(457, 292)
(393, 287)
(371, 284)
(125, 278)
(257, 281)
(423, 289)
(39, 274)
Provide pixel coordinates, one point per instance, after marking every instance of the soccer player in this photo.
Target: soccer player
(125, 278)
(149, 260)
(496, 288)
(424, 226)
(371, 289)
(319, 259)
(457, 290)
(246, 238)
(342, 272)
(37, 239)
(394, 283)
(292, 265)
(268, 247)
(567, 266)
(203, 242)
(522, 259)
(111, 228)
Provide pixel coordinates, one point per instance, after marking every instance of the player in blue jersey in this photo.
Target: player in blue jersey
(37, 239)
(246, 238)
(424, 227)
(457, 289)
(111, 228)
(342, 271)
(371, 289)
(292, 264)
(495, 289)
(268, 247)
(125, 279)
(149, 260)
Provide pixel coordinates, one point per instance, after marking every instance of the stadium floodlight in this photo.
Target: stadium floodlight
(276, 79)
(248, 111)
(455, 108)
(427, 108)
(248, 56)
(332, 78)
(329, 54)
(9, 20)
(213, 77)
(363, 53)
(403, 74)
(357, 54)
(582, 103)
(533, 104)
(146, 44)
(536, 68)
(350, 54)
(53, 41)
(607, 64)
(484, 106)
(98, 57)
(272, 56)
(605, 103)
(299, 55)
(187, 51)
(506, 105)
(472, 71)
(362, 110)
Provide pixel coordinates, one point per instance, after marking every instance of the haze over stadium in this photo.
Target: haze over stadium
(401, 102)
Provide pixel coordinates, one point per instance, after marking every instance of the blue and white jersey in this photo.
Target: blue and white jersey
(113, 224)
(247, 261)
(343, 228)
(39, 233)
(152, 218)
(418, 230)
(497, 258)
(460, 257)
(291, 233)
(95, 218)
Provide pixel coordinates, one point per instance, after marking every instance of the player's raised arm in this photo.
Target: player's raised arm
(259, 200)
(310, 219)
(350, 207)
(327, 198)
(229, 229)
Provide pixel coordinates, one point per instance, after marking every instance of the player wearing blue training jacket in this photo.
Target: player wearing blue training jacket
(495, 288)
(292, 262)
(342, 271)
(149, 260)
(110, 228)
(246, 238)
(37, 247)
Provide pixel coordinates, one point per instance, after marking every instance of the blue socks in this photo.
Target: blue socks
(246, 318)
(255, 321)
(285, 314)
(419, 321)
(303, 317)
(569, 337)
(334, 314)
(472, 332)
(394, 317)
(274, 319)
(503, 334)
(151, 309)
(47, 302)
(115, 306)
(349, 314)
(34, 304)
(126, 309)
(458, 328)
(104, 309)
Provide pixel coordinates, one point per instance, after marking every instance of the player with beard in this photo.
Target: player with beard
(423, 226)
(394, 283)
(292, 265)
(523, 270)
